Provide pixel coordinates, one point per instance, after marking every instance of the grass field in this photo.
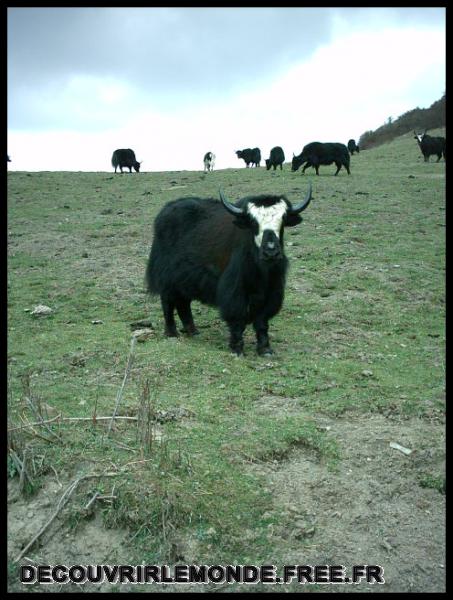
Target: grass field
(360, 336)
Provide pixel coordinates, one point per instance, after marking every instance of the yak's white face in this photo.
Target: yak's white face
(420, 137)
(268, 217)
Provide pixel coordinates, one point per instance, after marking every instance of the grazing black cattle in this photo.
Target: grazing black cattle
(250, 155)
(276, 158)
(316, 153)
(209, 161)
(225, 255)
(125, 158)
(352, 147)
(431, 145)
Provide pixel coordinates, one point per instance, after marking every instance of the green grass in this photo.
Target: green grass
(435, 482)
(361, 331)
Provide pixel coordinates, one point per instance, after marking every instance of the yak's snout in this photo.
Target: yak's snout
(270, 246)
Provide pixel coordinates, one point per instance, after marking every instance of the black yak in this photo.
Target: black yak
(431, 145)
(316, 154)
(225, 255)
(276, 158)
(125, 158)
(209, 161)
(250, 155)
(352, 147)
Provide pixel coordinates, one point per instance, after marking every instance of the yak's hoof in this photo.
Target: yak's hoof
(237, 350)
(171, 333)
(265, 351)
(190, 331)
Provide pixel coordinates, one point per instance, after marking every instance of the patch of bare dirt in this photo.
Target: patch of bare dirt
(89, 544)
(371, 511)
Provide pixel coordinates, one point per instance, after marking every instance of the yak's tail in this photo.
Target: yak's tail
(151, 283)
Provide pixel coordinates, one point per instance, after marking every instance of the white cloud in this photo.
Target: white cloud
(355, 81)
(350, 86)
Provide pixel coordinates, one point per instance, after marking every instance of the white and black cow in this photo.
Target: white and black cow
(431, 145)
(209, 161)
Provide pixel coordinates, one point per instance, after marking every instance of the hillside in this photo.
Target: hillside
(417, 119)
(280, 460)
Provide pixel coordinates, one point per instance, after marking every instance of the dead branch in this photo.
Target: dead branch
(126, 374)
(63, 500)
(61, 419)
(20, 466)
(23, 471)
(118, 417)
(34, 424)
(31, 426)
(134, 462)
(56, 475)
(93, 499)
(123, 446)
(37, 410)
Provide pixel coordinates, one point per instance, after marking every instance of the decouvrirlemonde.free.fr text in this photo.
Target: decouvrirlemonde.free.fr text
(213, 574)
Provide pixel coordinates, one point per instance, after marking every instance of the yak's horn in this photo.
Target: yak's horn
(234, 210)
(297, 208)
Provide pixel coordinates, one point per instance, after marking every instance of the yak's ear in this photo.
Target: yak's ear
(290, 220)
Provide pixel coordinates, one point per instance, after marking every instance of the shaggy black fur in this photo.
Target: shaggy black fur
(125, 158)
(316, 153)
(352, 147)
(250, 155)
(276, 158)
(432, 145)
(202, 252)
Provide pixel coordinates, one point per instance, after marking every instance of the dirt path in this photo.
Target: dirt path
(372, 510)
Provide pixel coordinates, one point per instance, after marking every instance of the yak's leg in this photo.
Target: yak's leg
(261, 327)
(168, 307)
(185, 314)
(261, 321)
(338, 164)
(236, 337)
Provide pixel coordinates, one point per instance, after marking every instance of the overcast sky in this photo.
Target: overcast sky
(173, 83)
